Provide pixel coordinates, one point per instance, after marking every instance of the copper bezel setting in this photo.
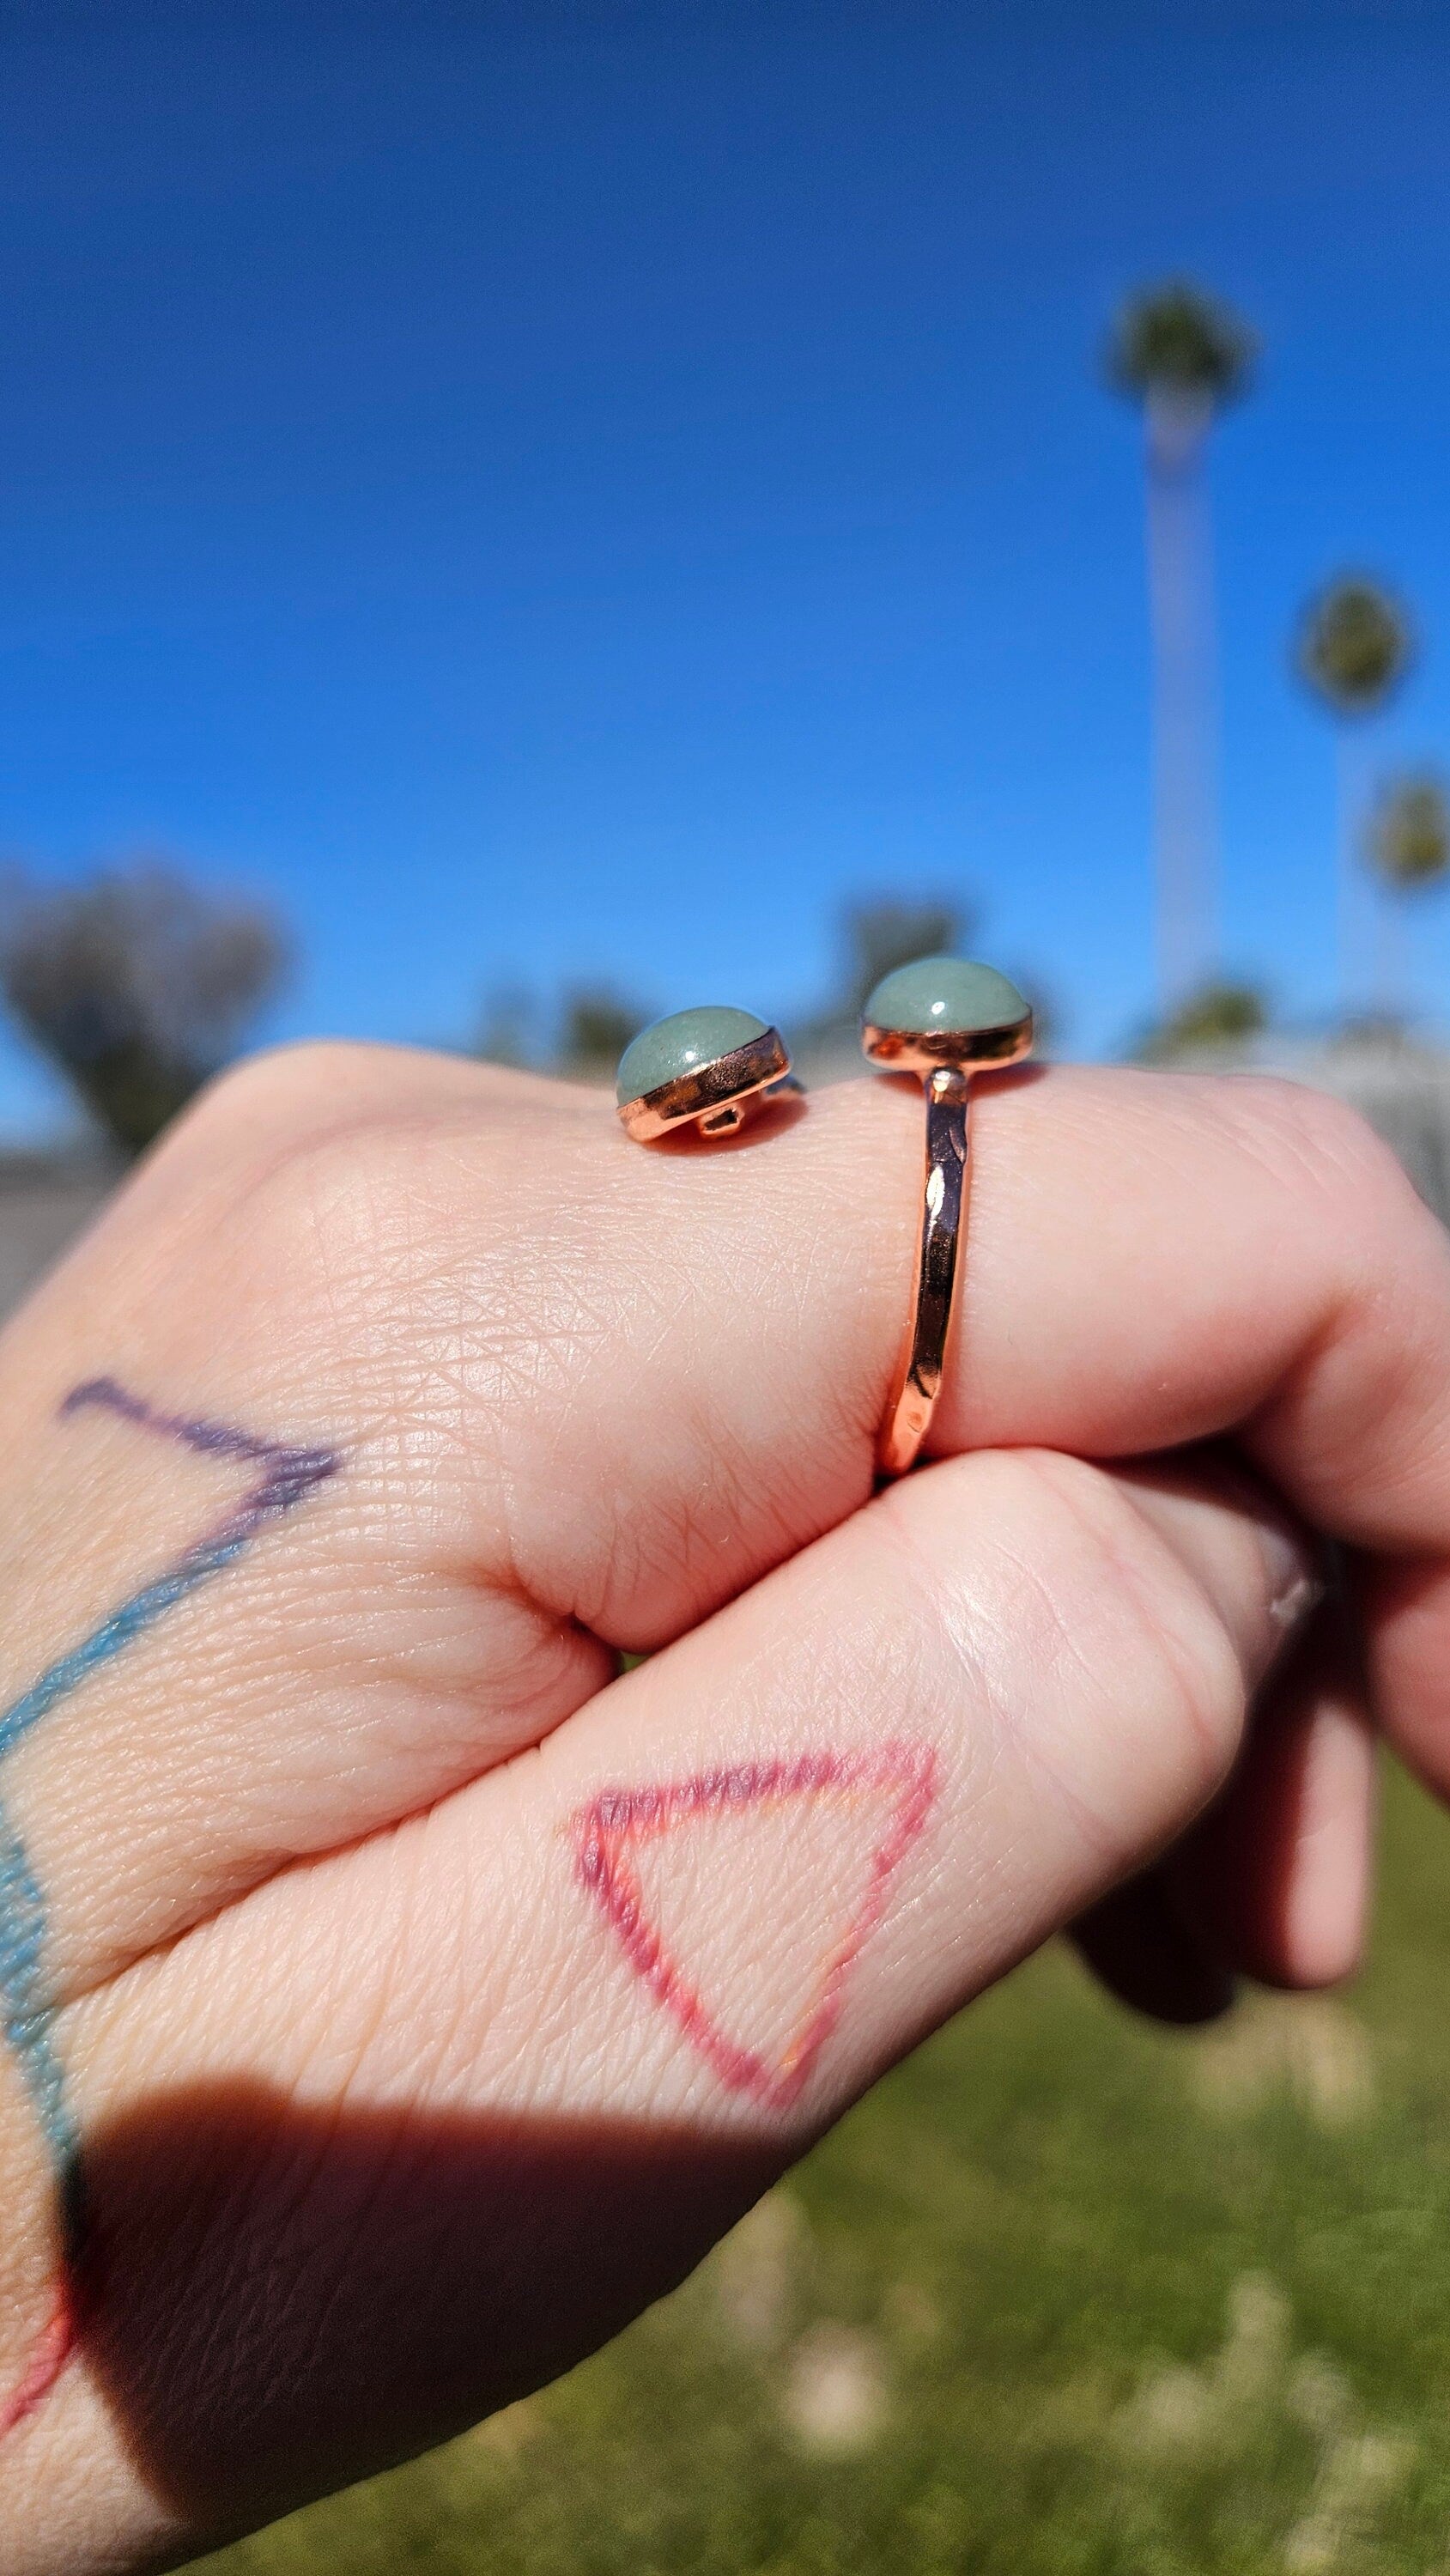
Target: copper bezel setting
(714, 1097)
(926, 1051)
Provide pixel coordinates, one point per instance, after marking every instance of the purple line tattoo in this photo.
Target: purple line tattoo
(286, 1476)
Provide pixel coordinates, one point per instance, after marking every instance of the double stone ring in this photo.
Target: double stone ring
(941, 1018)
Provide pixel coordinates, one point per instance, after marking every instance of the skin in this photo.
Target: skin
(385, 2112)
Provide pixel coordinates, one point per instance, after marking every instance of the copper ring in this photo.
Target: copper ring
(946, 1060)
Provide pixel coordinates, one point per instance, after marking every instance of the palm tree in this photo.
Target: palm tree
(1183, 356)
(1408, 848)
(1354, 647)
(1217, 1014)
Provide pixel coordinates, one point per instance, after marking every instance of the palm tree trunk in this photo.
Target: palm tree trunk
(1355, 921)
(1185, 815)
(1392, 964)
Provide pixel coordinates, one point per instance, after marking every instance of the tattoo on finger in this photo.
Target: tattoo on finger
(897, 1780)
(286, 1476)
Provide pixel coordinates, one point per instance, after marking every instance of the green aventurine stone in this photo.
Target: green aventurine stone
(945, 993)
(681, 1044)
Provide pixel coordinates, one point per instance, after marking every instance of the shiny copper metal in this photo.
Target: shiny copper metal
(715, 1097)
(923, 1050)
(948, 1086)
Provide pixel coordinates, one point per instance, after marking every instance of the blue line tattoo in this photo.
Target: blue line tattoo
(288, 1475)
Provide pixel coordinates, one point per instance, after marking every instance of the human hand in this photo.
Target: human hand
(397, 2001)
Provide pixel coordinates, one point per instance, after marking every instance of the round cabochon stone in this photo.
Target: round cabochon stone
(938, 993)
(681, 1044)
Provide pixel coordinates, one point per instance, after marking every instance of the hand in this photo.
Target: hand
(397, 2001)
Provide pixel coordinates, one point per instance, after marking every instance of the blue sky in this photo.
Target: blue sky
(553, 493)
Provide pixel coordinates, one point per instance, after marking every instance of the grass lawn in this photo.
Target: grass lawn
(1066, 2294)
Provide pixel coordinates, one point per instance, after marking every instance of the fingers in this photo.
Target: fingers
(415, 2123)
(579, 1394)
(1276, 1879)
(702, 1342)
(1137, 1943)
(1405, 1606)
(1159, 1258)
(1273, 1882)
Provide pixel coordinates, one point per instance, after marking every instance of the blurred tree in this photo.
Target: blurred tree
(1410, 834)
(1183, 356)
(507, 1032)
(1354, 645)
(137, 985)
(876, 937)
(883, 935)
(596, 1027)
(1219, 1014)
(888, 931)
(1408, 849)
(1353, 648)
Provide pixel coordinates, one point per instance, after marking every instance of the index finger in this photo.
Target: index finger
(1158, 1258)
(586, 1392)
(1163, 1258)
(687, 1353)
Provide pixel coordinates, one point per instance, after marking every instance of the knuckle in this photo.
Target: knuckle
(315, 1090)
(1314, 1140)
(298, 1159)
(281, 1087)
(349, 1165)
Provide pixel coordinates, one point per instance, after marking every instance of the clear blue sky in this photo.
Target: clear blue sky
(555, 492)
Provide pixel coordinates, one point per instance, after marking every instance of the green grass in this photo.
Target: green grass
(1066, 2294)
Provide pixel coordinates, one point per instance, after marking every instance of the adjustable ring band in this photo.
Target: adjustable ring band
(945, 1019)
(923, 1355)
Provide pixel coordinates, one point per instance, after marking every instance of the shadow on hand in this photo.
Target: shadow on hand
(277, 2300)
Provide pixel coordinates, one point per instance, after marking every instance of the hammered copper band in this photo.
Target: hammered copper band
(917, 1383)
(946, 1059)
(711, 1094)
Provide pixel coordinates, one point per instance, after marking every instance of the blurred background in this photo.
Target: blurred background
(521, 517)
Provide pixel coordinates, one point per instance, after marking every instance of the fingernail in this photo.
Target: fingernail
(1296, 1588)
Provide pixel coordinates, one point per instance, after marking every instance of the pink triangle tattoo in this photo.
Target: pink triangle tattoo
(611, 1830)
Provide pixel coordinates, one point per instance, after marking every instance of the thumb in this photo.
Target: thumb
(412, 2128)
